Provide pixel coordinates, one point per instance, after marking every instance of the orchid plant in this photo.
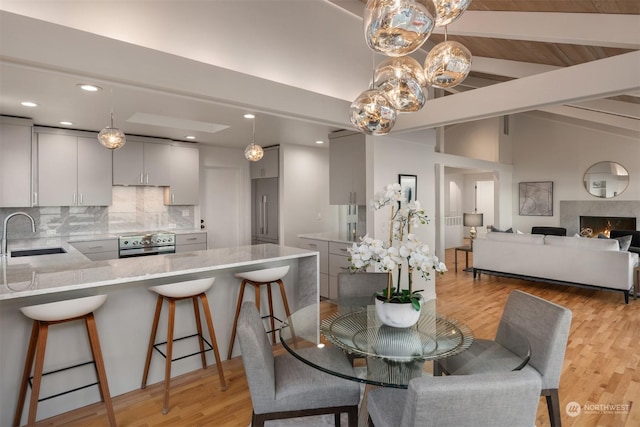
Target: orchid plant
(402, 249)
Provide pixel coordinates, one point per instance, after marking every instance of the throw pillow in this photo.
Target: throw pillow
(624, 241)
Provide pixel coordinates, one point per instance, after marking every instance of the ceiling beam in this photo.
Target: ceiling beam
(590, 29)
(596, 79)
(507, 68)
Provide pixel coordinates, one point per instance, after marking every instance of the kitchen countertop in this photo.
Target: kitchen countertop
(45, 274)
(330, 236)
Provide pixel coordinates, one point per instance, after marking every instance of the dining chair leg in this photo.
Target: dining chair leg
(272, 322)
(101, 371)
(336, 419)
(553, 406)
(43, 331)
(352, 416)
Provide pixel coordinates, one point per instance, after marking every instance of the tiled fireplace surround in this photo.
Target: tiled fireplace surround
(570, 211)
(132, 209)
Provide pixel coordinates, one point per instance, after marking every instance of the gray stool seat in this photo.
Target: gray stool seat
(194, 290)
(258, 278)
(43, 316)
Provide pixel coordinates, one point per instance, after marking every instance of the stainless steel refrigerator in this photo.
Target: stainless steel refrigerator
(264, 212)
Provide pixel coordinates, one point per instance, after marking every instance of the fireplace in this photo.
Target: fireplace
(592, 226)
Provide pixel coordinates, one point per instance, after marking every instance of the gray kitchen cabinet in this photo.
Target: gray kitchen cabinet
(322, 246)
(268, 166)
(184, 187)
(191, 242)
(347, 168)
(338, 263)
(72, 171)
(15, 162)
(142, 163)
(98, 250)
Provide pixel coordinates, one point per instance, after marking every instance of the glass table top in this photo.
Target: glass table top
(385, 356)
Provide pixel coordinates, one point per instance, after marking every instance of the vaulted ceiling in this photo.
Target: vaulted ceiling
(173, 68)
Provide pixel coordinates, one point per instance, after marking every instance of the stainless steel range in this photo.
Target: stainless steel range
(146, 243)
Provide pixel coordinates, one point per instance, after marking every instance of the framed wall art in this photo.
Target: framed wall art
(536, 198)
(409, 184)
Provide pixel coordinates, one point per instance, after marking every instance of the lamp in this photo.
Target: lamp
(373, 113)
(111, 137)
(472, 220)
(403, 82)
(447, 64)
(253, 152)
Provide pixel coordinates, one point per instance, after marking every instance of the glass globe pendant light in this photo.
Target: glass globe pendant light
(111, 137)
(373, 113)
(403, 81)
(396, 27)
(448, 11)
(447, 64)
(253, 152)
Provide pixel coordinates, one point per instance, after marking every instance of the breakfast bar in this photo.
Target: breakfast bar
(124, 321)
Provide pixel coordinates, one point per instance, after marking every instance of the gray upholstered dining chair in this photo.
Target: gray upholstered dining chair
(546, 326)
(284, 387)
(357, 289)
(498, 400)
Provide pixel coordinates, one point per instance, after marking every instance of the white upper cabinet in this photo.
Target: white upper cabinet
(15, 162)
(267, 167)
(347, 169)
(184, 188)
(142, 163)
(72, 171)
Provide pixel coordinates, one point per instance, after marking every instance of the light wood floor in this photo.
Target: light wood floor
(602, 362)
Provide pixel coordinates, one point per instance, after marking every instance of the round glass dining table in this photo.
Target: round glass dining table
(386, 356)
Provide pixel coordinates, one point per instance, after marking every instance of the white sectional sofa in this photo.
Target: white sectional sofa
(595, 263)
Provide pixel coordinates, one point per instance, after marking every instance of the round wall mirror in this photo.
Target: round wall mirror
(606, 179)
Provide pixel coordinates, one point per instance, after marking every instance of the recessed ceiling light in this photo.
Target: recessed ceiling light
(189, 137)
(319, 142)
(65, 123)
(29, 104)
(89, 88)
(249, 116)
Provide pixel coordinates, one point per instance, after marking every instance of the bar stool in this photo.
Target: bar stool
(45, 315)
(173, 292)
(256, 279)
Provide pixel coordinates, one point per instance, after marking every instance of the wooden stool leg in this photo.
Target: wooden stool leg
(43, 330)
(196, 312)
(284, 297)
(235, 318)
(214, 342)
(154, 329)
(28, 366)
(92, 330)
(167, 369)
(271, 320)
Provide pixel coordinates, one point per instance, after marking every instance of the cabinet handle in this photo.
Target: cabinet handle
(74, 198)
(344, 268)
(192, 238)
(141, 179)
(35, 198)
(313, 245)
(81, 198)
(95, 247)
(173, 198)
(265, 228)
(343, 249)
(146, 178)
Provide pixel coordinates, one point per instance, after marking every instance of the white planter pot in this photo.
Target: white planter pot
(397, 315)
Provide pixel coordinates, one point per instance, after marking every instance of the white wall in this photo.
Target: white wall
(390, 157)
(551, 150)
(229, 159)
(304, 195)
(477, 140)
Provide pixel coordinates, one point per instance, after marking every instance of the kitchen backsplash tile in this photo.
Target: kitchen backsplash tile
(132, 209)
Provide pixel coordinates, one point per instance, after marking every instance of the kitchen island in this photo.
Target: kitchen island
(124, 321)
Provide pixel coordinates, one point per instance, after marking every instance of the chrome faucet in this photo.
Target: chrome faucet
(4, 229)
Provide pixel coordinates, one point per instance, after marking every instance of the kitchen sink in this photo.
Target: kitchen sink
(34, 252)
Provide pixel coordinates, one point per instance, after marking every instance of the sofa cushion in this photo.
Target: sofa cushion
(624, 241)
(554, 231)
(635, 235)
(536, 239)
(583, 242)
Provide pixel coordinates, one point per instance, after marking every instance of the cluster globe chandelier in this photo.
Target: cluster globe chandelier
(397, 28)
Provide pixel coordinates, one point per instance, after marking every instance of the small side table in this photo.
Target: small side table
(466, 250)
